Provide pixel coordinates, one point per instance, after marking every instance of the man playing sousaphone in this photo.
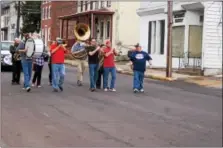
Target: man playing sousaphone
(16, 62)
(79, 52)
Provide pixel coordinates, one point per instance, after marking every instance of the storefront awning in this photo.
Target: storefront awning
(96, 12)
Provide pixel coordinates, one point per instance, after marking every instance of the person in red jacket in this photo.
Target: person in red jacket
(109, 66)
(58, 68)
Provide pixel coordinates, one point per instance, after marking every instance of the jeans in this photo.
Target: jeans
(37, 74)
(106, 73)
(93, 74)
(27, 70)
(58, 73)
(138, 80)
(99, 78)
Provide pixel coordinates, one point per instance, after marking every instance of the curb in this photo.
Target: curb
(130, 73)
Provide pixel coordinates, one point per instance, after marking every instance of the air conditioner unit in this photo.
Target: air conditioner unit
(178, 17)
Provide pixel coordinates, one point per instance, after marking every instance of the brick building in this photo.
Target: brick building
(50, 24)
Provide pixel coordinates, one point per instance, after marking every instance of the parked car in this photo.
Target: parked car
(6, 56)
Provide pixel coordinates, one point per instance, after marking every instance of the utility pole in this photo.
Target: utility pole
(169, 39)
(18, 20)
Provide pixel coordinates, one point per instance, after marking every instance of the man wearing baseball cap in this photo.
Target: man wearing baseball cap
(139, 58)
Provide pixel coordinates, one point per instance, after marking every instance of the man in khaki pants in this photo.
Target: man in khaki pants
(77, 50)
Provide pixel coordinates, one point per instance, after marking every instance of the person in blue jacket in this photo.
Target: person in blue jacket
(138, 59)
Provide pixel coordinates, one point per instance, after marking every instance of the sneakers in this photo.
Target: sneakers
(136, 90)
(28, 89)
(113, 90)
(39, 86)
(33, 85)
(141, 90)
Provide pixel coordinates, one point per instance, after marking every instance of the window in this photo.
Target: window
(102, 4)
(108, 29)
(82, 5)
(49, 12)
(108, 3)
(44, 13)
(102, 30)
(91, 5)
(86, 4)
(48, 34)
(96, 4)
(156, 37)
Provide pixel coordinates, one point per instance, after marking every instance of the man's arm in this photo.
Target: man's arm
(149, 59)
(93, 52)
(116, 53)
(54, 50)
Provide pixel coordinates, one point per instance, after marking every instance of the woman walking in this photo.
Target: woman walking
(38, 67)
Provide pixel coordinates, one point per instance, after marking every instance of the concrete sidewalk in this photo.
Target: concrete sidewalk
(160, 75)
(150, 73)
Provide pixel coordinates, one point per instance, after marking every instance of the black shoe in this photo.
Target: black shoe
(13, 83)
(61, 88)
(79, 83)
(98, 87)
(55, 90)
(92, 89)
(28, 89)
(17, 83)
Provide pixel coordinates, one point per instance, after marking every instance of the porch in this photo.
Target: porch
(100, 23)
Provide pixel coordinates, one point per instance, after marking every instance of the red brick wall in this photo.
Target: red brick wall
(61, 8)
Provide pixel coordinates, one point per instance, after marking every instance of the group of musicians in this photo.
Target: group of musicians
(100, 58)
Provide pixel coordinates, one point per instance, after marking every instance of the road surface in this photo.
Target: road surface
(167, 114)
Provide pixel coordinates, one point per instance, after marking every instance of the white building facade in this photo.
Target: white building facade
(8, 21)
(125, 22)
(197, 37)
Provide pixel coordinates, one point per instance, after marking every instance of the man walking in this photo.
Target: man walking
(16, 63)
(77, 49)
(58, 68)
(93, 61)
(26, 63)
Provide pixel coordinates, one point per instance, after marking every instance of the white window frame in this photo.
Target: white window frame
(47, 16)
(49, 12)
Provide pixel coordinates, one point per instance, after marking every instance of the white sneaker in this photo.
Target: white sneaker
(142, 90)
(114, 90)
(105, 89)
(39, 86)
(33, 85)
(135, 90)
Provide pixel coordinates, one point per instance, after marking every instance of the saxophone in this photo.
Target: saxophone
(17, 57)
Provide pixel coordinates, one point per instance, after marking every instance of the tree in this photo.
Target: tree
(31, 15)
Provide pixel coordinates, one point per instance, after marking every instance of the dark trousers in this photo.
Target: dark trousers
(50, 72)
(100, 76)
(16, 71)
(37, 75)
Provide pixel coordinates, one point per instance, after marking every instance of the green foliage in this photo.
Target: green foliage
(31, 15)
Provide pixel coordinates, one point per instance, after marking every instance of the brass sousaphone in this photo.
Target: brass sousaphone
(82, 33)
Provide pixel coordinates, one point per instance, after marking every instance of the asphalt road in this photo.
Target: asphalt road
(167, 114)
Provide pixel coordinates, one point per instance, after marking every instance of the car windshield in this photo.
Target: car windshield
(6, 45)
